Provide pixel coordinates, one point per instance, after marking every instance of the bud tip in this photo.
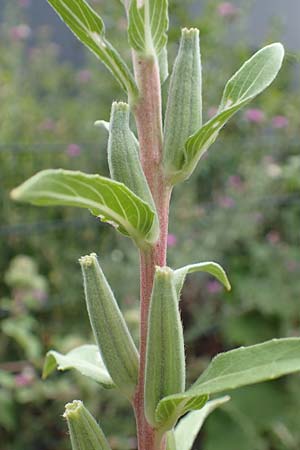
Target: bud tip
(88, 260)
(72, 408)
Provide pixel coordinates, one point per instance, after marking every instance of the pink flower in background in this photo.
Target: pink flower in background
(235, 182)
(226, 202)
(40, 295)
(212, 111)
(24, 3)
(171, 240)
(84, 76)
(25, 378)
(20, 32)
(258, 217)
(255, 115)
(273, 237)
(213, 287)
(291, 265)
(227, 9)
(73, 150)
(280, 122)
(47, 125)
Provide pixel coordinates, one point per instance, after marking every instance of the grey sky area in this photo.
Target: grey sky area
(288, 11)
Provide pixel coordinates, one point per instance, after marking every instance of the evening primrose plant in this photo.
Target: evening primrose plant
(144, 169)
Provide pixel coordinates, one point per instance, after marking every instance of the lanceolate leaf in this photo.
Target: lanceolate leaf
(188, 428)
(86, 359)
(170, 438)
(172, 407)
(210, 267)
(240, 367)
(102, 124)
(165, 361)
(113, 202)
(88, 26)
(252, 78)
(148, 25)
(163, 65)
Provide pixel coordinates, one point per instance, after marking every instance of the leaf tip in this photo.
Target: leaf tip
(15, 194)
(49, 365)
(228, 285)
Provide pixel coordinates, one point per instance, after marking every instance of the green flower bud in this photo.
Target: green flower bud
(84, 431)
(165, 360)
(116, 345)
(184, 107)
(123, 154)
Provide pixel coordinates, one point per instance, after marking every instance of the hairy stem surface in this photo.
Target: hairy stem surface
(149, 125)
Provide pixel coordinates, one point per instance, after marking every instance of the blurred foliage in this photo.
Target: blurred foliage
(241, 208)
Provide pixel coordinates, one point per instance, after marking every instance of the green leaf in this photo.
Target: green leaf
(86, 359)
(170, 408)
(84, 431)
(109, 200)
(210, 267)
(102, 124)
(170, 438)
(240, 367)
(189, 426)
(163, 65)
(252, 78)
(89, 28)
(165, 360)
(148, 25)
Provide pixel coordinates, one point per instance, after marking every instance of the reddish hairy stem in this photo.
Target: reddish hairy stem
(149, 125)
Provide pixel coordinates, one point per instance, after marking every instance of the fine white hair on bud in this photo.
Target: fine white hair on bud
(165, 359)
(84, 431)
(110, 330)
(184, 106)
(123, 154)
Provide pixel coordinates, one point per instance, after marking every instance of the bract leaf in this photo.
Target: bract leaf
(210, 267)
(89, 28)
(86, 359)
(170, 438)
(163, 65)
(250, 80)
(148, 25)
(189, 426)
(111, 201)
(240, 367)
(170, 408)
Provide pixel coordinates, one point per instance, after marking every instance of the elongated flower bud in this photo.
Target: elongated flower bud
(84, 431)
(184, 106)
(165, 361)
(111, 333)
(123, 154)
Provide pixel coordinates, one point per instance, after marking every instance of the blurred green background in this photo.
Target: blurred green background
(241, 208)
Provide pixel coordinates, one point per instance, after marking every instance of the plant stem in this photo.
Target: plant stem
(149, 125)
